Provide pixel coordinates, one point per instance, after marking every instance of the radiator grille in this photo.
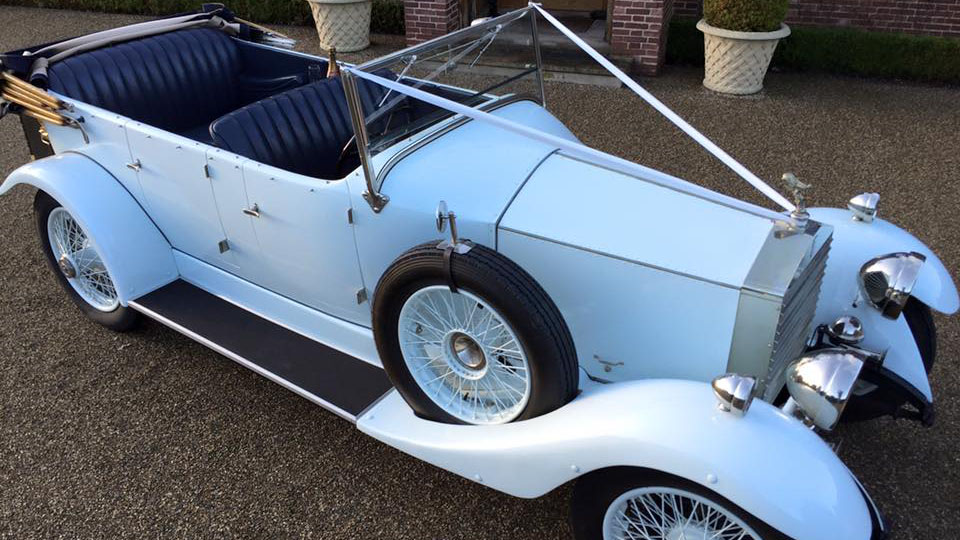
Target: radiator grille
(796, 316)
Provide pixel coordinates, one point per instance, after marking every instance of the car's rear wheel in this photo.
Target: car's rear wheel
(78, 266)
(490, 350)
(623, 503)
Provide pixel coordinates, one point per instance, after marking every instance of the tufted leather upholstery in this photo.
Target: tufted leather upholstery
(175, 81)
(301, 130)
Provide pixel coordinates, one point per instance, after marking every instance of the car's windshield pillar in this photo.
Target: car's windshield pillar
(372, 195)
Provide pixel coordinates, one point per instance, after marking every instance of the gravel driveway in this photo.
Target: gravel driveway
(148, 434)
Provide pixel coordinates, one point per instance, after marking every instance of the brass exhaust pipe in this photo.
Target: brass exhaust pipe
(14, 94)
(31, 90)
(44, 118)
(263, 29)
(42, 113)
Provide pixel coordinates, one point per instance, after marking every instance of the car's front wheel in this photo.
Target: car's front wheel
(625, 503)
(491, 349)
(78, 265)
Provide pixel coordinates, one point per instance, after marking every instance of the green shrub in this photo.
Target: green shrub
(842, 50)
(387, 16)
(745, 15)
(877, 54)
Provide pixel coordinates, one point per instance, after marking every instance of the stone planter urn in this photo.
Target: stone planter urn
(736, 62)
(342, 24)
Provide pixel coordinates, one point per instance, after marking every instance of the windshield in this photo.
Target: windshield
(471, 67)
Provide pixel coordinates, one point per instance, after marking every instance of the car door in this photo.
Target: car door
(178, 194)
(306, 244)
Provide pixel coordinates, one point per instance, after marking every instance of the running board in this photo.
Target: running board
(326, 376)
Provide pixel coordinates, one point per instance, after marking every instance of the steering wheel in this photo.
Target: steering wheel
(349, 150)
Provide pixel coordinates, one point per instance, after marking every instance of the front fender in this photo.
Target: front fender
(135, 253)
(856, 242)
(765, 462)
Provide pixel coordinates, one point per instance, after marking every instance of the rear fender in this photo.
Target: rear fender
(135, 253)
(765, 462)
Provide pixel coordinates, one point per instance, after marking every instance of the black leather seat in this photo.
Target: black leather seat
(302, 130)
(179, 81)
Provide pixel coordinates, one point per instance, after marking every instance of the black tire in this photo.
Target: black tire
(120, 319)
(881, 402)
(595, 492)
(541, 330)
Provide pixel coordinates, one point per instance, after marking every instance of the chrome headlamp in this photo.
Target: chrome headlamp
(734, 392)
(887, 281)
(821, 381)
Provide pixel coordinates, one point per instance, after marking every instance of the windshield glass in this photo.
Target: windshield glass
(471, 67)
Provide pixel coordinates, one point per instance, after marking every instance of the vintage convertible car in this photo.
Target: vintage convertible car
(453, 272)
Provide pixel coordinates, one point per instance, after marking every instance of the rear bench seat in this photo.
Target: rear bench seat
(302, 130)
(179, 81)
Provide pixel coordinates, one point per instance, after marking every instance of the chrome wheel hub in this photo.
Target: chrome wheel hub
(67, 267)
(464, 356)
(80, 262)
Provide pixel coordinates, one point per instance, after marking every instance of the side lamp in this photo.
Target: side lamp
(734, 392)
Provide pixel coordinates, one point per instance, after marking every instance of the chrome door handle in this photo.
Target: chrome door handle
(253, 211)
(135, 166)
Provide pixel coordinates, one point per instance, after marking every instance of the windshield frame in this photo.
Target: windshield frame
(372, 195)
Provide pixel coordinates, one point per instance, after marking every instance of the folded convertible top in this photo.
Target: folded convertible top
(31, 63)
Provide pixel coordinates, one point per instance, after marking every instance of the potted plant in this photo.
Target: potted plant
(739, 39)
(343, 25)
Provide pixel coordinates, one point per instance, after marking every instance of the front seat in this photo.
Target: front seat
(302, 130)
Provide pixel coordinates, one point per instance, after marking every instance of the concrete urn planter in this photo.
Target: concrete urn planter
(342, 24)
(736, 62)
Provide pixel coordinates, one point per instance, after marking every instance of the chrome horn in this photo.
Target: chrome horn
(820, 383)
(734, 392)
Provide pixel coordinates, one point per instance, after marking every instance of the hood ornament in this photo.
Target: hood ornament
(800, 215)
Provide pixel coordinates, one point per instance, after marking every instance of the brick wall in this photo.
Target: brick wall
(929, 17)
(427, 19)
(639, 32)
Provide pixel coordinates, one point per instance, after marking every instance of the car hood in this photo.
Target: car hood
(578, 204)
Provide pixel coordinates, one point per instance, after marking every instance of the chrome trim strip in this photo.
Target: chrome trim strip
(617, 257)
(451, 125)
(244, 362)
(496, 226)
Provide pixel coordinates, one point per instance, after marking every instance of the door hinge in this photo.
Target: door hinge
(206, 171)
(223, 245)
(362, 296)
(350, 216)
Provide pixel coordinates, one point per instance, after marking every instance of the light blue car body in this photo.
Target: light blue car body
(647, 278)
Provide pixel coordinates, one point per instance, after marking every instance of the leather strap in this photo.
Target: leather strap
(448, 267)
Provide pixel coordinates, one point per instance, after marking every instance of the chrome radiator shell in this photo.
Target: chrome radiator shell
(777, 304)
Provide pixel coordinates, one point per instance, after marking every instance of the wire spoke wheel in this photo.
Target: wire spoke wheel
(79, 261)
(464, 355)
(664, 513)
